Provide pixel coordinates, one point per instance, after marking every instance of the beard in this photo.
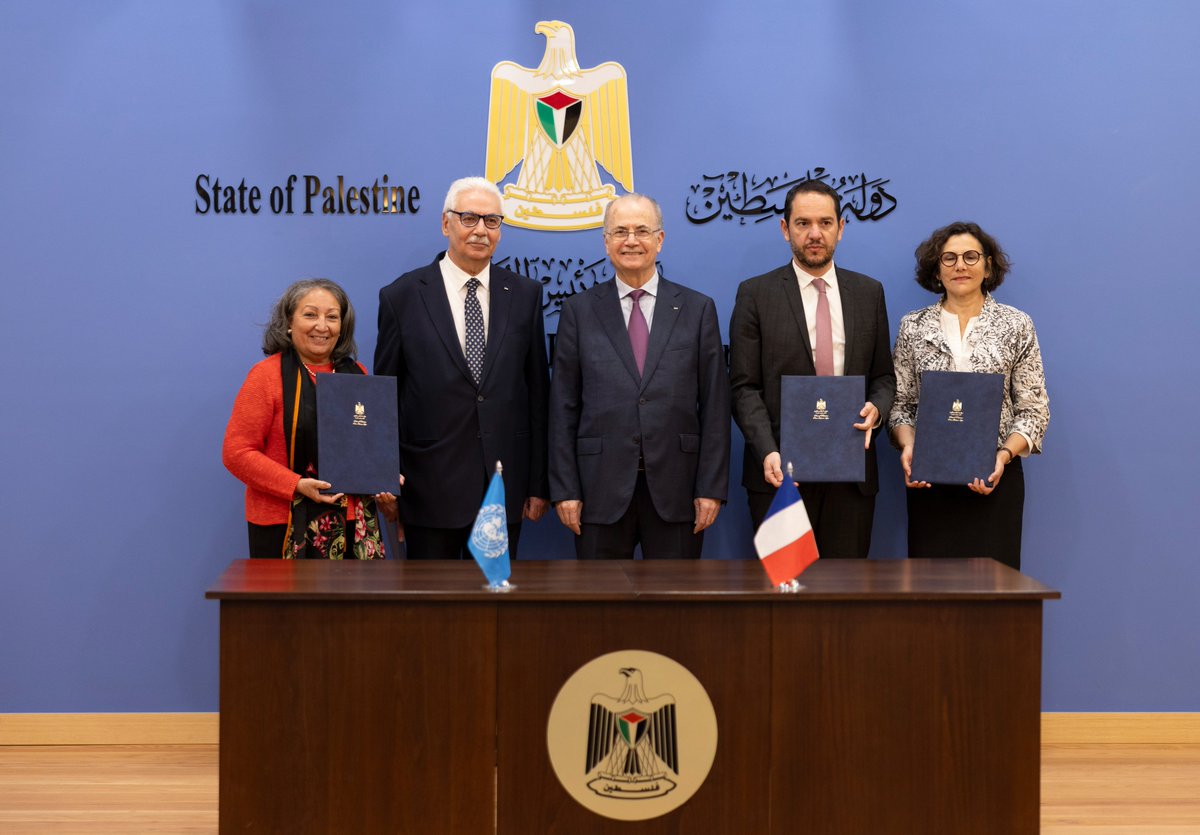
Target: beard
(817, 262)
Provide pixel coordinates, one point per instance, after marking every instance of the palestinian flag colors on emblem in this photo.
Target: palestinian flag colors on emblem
(632, 727)
(558, 115)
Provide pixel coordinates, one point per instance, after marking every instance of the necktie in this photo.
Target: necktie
(639, 331)
(823, 350)
(474, 320)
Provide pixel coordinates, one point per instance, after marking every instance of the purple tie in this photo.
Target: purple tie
(823, 350)
(639, 331)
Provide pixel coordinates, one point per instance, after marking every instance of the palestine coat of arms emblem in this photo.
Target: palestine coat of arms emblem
(559, 123)
(629, 750)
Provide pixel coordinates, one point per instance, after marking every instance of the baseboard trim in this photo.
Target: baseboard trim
(1121, 728)
(203, 728)
(108, 728)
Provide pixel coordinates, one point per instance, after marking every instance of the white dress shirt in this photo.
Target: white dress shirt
(456, 280)
(809, 295)
(647, 301)
(958, 340)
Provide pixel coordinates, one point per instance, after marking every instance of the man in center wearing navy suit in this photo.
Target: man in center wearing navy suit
(466, 343)
(639, 404)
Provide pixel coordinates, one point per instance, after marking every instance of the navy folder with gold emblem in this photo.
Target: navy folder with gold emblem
(958, 423)
(358, 435)
(817, 434)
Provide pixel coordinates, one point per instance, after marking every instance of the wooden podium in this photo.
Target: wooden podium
(393, 697)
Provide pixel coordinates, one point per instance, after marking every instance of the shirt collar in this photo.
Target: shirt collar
(459, 277)
(830, 276)
(651, 287)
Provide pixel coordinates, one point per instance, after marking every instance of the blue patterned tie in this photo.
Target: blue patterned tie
(474, 318)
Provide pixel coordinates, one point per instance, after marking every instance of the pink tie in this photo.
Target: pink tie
(639, 331)
(823, 350)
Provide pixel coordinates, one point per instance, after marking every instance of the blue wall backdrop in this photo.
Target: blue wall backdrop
(1067, 129)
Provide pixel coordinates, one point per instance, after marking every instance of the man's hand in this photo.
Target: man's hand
(535, 508)
(870, 416)
(569, 513)
(706, 513)
(772, 473)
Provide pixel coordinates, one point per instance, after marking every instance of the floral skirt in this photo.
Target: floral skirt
(319, 531)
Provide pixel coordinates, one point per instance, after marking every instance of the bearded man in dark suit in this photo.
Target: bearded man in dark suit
(810, 317)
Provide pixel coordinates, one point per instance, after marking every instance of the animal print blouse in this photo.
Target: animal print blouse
(1002, 342)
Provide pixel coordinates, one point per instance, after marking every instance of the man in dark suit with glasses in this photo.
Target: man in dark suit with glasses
(466, 342)
(639, 404)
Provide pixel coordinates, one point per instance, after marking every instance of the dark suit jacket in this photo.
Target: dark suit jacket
(602, 413)
(768, 338)
(451, 433)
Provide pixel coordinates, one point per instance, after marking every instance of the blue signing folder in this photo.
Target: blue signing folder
(817, 433)
(358, 435)
(958, 422)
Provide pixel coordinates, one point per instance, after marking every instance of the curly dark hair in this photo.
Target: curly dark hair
(929, 253)
(276, 336)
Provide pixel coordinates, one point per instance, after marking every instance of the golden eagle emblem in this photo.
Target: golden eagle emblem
(559, 123)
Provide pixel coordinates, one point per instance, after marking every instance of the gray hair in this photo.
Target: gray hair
(633, 195)
(276, 334)
(470, 184)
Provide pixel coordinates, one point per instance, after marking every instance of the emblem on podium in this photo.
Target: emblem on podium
(630, 750)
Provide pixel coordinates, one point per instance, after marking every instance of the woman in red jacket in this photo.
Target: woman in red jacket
(271, 440)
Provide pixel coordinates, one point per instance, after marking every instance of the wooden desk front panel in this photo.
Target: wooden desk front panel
(906, 718)
(726, 646)
(332, 713)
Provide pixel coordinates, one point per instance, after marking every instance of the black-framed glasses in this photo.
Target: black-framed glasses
(471, 220)
(641, 233)
(970, 257)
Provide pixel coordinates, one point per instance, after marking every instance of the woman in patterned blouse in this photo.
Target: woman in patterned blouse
(967, 330)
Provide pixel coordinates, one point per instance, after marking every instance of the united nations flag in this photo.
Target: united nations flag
(489, 537)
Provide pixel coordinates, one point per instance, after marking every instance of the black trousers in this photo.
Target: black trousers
(840, 514)
(422, 543)
(266, 541)
(949, 521)
(641, 524)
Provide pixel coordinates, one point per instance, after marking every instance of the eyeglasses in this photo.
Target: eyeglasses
(471, 220)
(970, 258)
(641, 233)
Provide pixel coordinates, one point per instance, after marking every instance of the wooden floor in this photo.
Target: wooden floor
(1086, 789)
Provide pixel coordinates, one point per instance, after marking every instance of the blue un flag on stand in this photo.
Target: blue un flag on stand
(489, 537)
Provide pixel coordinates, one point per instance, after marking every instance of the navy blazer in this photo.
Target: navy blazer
(451, 432)
(602, 412)
(768, 338)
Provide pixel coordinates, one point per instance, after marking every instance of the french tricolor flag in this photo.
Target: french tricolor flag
(785, 542)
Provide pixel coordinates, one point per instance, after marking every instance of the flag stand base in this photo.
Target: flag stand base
(503, 587)
(790, 587)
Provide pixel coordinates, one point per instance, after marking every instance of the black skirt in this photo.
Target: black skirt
(954, 522)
